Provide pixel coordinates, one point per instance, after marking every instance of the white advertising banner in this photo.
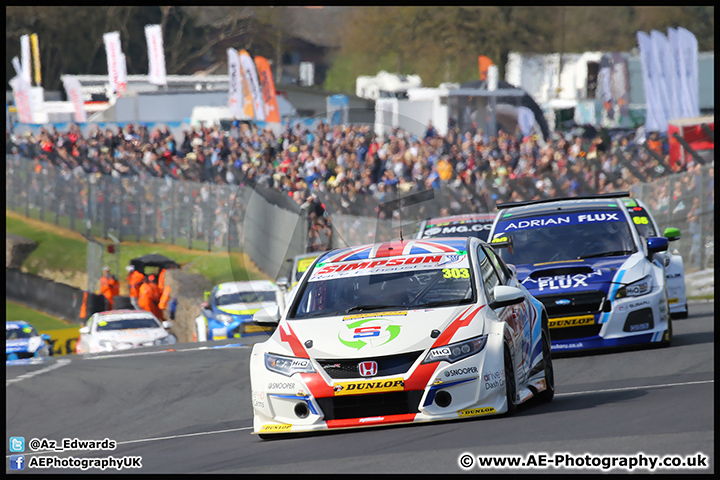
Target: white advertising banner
(235, 97)
(660, 73)
(23, 99)
(25, 57)
(73, 88)
(156, 55)
(248, 70)
(654, 117)
(122, 75)
(689, 50)
(113, 53)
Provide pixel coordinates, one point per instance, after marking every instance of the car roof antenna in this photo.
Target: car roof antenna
(401, 238)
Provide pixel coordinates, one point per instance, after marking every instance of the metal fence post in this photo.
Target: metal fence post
(173, 199)
(27, 190)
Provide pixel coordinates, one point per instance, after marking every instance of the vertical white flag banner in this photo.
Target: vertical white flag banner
(662, 47)
(122, 75)
(658, 73)
(156, 55)
(683, 94)
(654, 117)
(23, 100)
(248, 70)
(689, 48)
(25, 57)
(112, 51)
(17, 66)
(74, 94)
(235, 97)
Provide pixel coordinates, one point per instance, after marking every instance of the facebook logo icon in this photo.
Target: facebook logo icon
(17, 444)
(17, 462)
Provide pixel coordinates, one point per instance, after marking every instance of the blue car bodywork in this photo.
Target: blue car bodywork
(22, 341)
(601, 283)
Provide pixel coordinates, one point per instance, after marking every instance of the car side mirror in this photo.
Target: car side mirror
(167, 325)
(85, 330)
(267, 316)
(506, 296)
(672, 234)
(46, 337)
(283, 283)
(657, 244)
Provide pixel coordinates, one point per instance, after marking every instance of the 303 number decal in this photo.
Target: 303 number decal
(456, 273)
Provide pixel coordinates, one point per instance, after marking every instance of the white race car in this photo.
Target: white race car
(401, 332)
(675, 270)
(121, 330)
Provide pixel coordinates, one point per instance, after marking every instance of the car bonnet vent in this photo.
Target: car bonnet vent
(550, 272)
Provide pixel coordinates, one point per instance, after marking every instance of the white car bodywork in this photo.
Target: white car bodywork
(674, 270)
(100, 335)
(312, 373)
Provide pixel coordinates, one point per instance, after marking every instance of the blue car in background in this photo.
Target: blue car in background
(228, 309)
(23, 341)
(602, 284)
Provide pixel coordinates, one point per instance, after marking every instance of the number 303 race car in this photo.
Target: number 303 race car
(401, 332)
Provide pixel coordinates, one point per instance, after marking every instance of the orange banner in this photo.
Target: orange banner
(272, 114)
(483, 64)
(248, 109)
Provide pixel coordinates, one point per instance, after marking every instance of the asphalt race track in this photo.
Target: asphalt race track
(189, 410)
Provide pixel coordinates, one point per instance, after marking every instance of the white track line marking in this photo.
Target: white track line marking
(171, 437)
(60, 363)
(633, 388)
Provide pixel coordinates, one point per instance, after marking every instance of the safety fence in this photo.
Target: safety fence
(270, 227)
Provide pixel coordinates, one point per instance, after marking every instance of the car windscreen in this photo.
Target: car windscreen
(564, 236)
(127, 324)
(479, 229)
(13, 332)
(641, 219)
(245, 297)
(346, 287)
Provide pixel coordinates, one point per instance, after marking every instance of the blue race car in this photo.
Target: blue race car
(23, 341)
(228, 309)
(602, 283)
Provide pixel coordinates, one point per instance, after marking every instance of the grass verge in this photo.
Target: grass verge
(63, 250)
(40, 320)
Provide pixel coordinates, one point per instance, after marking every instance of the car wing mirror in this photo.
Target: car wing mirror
(672, 234)
(167, 325)
(84, 330)
(657, 244)
(506, 296)
(267, 316)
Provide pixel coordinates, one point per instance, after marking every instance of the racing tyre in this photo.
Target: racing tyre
(549, 392)
(510, 393)
(681, 314)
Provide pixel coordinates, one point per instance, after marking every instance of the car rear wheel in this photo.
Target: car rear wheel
(549, 392)
(680, 314)
(509, 383)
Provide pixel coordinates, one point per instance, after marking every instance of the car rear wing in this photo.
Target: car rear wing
(505, 241)
(501, 206)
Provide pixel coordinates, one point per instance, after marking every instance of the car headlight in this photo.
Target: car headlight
(636, 289)
(166, 340)
(224, 318)
(456, 351)
(107, 345)
(288, 365)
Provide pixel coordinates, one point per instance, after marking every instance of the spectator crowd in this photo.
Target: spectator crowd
(350, 169)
